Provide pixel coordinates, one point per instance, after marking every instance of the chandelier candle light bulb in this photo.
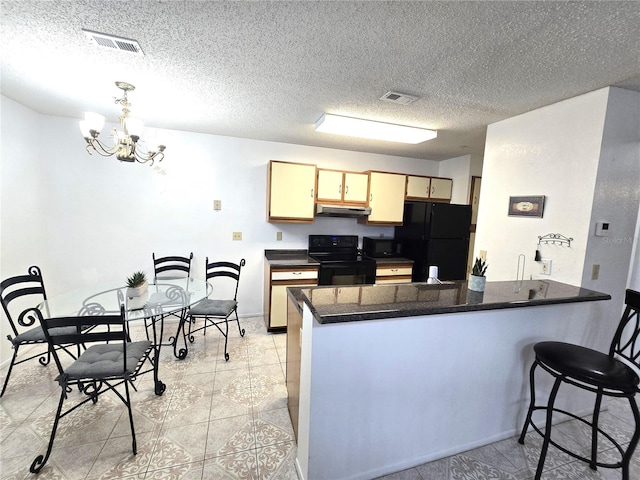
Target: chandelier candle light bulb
(126, 147)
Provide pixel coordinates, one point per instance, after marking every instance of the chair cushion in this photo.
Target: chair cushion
(213, 308)
(106, 360)
(36, 334)
(587, 365)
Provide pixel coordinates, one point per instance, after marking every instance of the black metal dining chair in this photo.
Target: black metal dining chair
(166, 269)
(110, 361)
(216, 312)
(171, 266)
(607, 375)
(17, 294)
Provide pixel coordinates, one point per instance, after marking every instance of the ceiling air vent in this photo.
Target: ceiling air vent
(397, 97)
(112, 42)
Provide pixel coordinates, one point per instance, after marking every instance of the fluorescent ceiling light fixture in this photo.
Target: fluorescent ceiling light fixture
(356, 127)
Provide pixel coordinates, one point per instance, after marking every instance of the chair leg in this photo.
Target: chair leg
(634, 440)
(191, 321)
(241, 330)
(40, 460)
(547, 431)
(226, 337)
(593, 464)
(13, 361)
(532, 388)
(46, 362)
(133, 431)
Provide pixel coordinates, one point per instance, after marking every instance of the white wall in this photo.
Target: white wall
(85, 218)
(459, 169)
(583, 155)
(552, 151)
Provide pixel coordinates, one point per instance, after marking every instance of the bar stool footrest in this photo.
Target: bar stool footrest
(573, 454)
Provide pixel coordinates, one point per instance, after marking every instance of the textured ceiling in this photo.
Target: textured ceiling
(268, 70)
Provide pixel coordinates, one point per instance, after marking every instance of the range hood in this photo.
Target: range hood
(342, 211)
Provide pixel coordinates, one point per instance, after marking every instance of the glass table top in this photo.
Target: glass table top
(164, 297)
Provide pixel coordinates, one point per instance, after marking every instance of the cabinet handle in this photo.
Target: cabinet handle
(394, 269)
(371, 197)
(297, 273)
(312, 193)
(432, 190)
(339, 188)
(346, 189)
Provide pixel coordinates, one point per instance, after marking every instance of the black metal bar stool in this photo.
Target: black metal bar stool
(614, 375)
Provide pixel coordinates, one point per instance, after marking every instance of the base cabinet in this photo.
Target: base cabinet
(294, 355)
(394, 273)
(277, 280)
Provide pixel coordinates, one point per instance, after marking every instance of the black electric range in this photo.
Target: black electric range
(341, 263)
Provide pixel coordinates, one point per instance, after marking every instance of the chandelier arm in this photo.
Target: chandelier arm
(143, 157)
(100, 149)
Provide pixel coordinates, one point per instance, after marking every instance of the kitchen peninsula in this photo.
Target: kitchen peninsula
(385, 377)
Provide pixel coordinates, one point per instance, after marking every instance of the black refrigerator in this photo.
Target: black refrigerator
(435, 234)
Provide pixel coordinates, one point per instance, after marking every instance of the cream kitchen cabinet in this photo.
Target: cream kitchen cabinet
(440, 189)
(418, 187)
(391, 271)
(428, 188)
(356, 186)
(279, 275)
(291, 192)
(335, 186)
(386, 198)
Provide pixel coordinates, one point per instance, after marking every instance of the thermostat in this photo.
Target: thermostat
(602, 229)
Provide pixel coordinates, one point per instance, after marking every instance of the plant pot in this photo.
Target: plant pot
(473, 297)
(477, 283)
(137, 291)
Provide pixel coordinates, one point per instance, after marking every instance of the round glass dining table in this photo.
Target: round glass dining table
(165, 297)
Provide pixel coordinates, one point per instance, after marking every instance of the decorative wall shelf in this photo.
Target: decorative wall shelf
(554, 239)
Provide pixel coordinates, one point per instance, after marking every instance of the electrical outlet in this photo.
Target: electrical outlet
(545, 266)
(483, 255)
(595, 271)
(237, 236)
(217, 205)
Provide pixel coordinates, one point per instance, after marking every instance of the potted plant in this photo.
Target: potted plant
(477, 279)
(136, 284)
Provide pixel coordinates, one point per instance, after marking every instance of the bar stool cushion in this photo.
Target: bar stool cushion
(587, 365)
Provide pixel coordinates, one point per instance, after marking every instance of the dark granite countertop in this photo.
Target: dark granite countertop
(289, 258)
(369, 302)
(393, 261)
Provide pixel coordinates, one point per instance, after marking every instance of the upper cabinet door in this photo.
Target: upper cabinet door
(291, 192)
(418, 187)
(355, 187)
(441, 188)
(330, 185)
(386, 198)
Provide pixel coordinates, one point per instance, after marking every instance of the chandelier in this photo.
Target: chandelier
(126, 147)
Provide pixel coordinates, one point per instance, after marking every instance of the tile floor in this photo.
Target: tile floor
(224, 420)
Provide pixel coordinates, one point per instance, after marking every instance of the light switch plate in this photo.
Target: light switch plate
(217, 205)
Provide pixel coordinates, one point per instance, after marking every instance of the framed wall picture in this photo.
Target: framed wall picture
(526, 206)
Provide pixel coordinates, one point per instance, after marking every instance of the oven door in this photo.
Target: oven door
(347, 273)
